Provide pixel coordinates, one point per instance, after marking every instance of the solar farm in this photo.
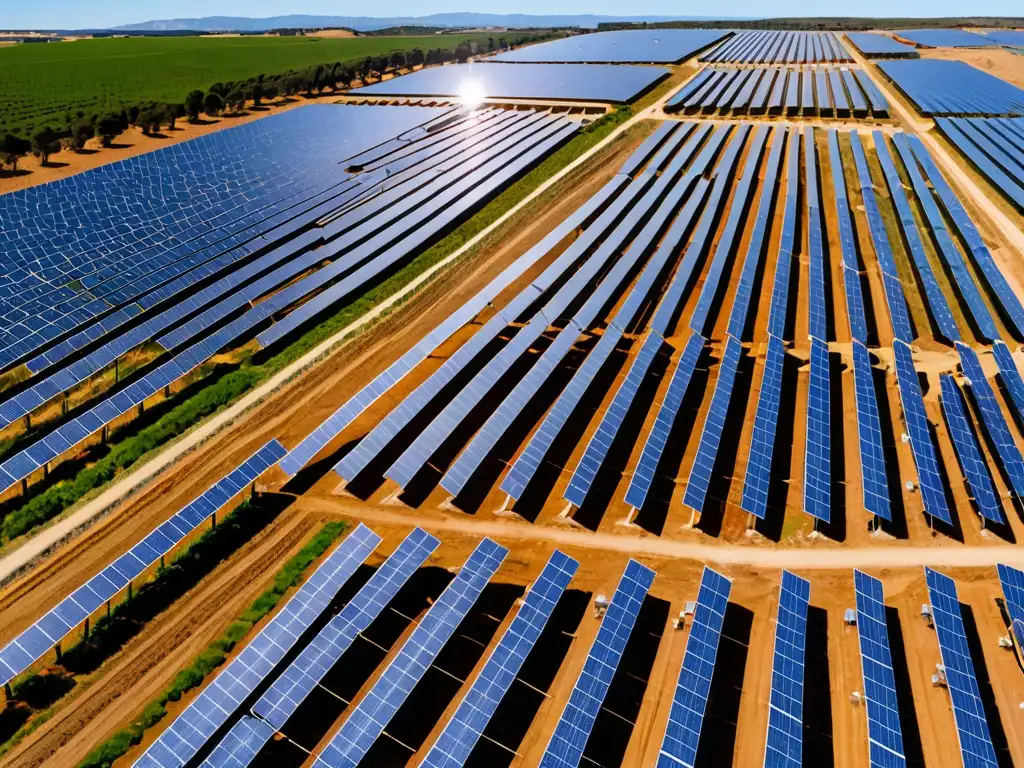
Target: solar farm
(648, 398)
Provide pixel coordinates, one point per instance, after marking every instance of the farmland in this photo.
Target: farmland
(41, 84)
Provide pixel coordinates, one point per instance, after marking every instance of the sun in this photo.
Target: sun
(471, 94)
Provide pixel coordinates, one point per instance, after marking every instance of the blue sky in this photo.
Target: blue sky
(68, 14)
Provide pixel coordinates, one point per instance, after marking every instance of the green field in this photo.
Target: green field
(41, 82)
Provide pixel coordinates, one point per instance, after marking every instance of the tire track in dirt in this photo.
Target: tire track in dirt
(146, 665)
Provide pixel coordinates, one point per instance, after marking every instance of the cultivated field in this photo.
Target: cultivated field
(40, 84)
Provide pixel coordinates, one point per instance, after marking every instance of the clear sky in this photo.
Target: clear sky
(70, 14)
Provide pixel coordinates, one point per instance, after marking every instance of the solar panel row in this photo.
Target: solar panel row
(461, 733)
(817, 465)
(995, 147)
(374, 711)
(874, 481)
(627, 46)
(1012, 580)
(878, 46)
(762, 440)
(778, 312)
(941, 314)
(689, 702)
(218, 702)
(610, 217)
(817, 312)
(940, 87)
(944, 38)
(569, 739)
(968, 452)
(774, 47)
(916, 419)
(958, 667)
(848, 245)
(784, 745)
(885, 734)
(999, 291)
(38, 639)
(898, 312)
(947, 249)
(1010, 377)
(746, 90)
(478, 185)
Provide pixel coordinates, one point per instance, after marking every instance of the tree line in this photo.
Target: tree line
(231, 98)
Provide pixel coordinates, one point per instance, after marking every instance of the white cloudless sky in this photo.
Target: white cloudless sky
(70, 14)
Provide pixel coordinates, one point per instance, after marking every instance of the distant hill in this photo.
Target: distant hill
(368, 24)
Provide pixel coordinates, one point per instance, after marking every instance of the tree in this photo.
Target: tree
(490, 45)
(194, 105)
(380, 66)
(44, 143)
(463, 52)
(133, 114)
(108, 128)
(365, 69)
(213, 103)
(235, 100)
(169, 114)
(81, 132)
(269, 91)
(219, 88)
(256, 94)
(398, 60)
(417, 58)
(13, 148)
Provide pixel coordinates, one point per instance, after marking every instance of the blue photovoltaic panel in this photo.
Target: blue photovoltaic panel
(916, 419)
(1012, 580)
(629, 46)
(872, 44)
(1001, 293)
(580, 82)
(373, 713)
(968, 452)
(714, 423)
(248, 736)
(968, 709)
(787, 244)
(654, 446)
(1011, 38)
(190, 731)
(467, 725)
(940, 87)
(241, 744)
(762, 441)
(565, 748)
(937, 304)
(946, 248)
(885, 735)
(40, 638)
(682, 734)
(943, 38)
(869, 434)
(991, 151)
(777, 47)
(992, 417)
(344, 416)
(1010, 376)
(817, 314)
(817, 474)
(784, 745)
(848, 244)
(281, 700)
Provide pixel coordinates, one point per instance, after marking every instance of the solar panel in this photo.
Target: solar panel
(373, 713)
(968, 709)
(577, 82)
(916, 419)
(992, 417)
(467, 725)
(940, 87)
(40, 638)
(940, 310)
(654, 446)
(787, 244)
(876, 45)
(209, 711)
(682, 734)
(817, 315)
(635, 46)
(817, 475)
(569, 739)
(784, 745)
(714, 423)
(968, 453)
(1012, 580)
(943, 38)
(879, 104)
(778, 47)
(762, 441)
(946, 248)
(241, 744)
(1000, 291)
(755, 246)
(885, 735)
(869, 434)
(737, 214)
(989, 151)
(1010, 376)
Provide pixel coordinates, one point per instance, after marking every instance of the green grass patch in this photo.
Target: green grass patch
(192, 676)
(41, 84)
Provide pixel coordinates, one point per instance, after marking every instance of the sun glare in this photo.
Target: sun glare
(471, 94)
